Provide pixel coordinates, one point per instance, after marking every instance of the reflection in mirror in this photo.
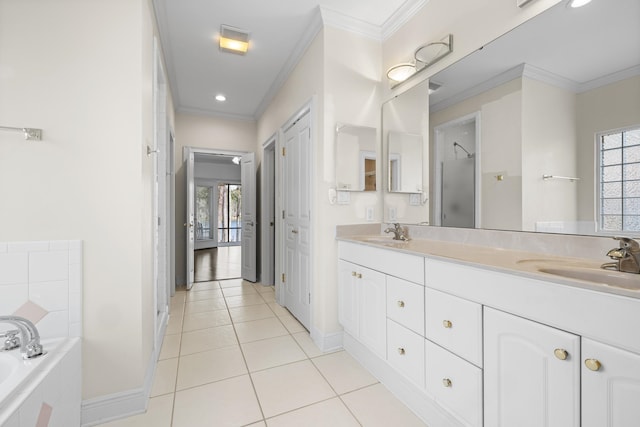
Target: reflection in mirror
(355, 158)
(405, 162)
(539, 101)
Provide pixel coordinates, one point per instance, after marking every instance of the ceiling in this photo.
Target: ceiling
(197, 70)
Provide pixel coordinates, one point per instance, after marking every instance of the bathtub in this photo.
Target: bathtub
(44, 391)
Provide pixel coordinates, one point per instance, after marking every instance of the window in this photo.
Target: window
(229, 213)
(619, 182)
(203, 212)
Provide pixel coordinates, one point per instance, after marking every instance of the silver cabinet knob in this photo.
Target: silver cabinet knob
(446, 382)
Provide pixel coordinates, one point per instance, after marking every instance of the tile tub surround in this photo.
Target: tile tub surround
(42, 281)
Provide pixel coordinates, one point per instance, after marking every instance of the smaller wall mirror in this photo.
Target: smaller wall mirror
(355, 158)
(405, 162)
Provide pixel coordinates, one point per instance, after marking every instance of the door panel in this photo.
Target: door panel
(249, 217)
(189, 158)
(297, 195)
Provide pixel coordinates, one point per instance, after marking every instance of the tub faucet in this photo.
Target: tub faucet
(626, 257)
(398, 232)
(29, 340)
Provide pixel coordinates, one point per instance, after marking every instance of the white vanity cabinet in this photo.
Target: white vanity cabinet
(531, 373)
(362, 304)
(610, 386)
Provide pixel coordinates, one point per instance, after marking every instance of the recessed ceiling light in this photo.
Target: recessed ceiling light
(233, 40)
(220, 97)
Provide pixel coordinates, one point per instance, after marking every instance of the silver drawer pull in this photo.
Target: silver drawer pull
(401, 304)
(446, 382)
(447, 324)
(401, 351)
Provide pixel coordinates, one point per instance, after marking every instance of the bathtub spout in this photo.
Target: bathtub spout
(30, 338)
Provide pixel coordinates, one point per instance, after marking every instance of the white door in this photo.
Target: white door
(249, 217)
(372, 309)
(348, 311)
(297, 226)
(189, 158)
(268, 216)
(531, 373)
(610, 386)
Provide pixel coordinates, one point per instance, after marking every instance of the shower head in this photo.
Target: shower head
(455, 144)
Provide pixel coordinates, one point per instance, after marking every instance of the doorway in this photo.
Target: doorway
(268, 212)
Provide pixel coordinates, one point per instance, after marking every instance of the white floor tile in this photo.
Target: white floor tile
(204, 305)
(292, 324)
(272, 352)
(164, 379)
(268, 296)
(158, 414)
(328, 413)
(207, 339)
(205, 286)
(244, 300)
(231, 283)
(174, 326)
(205, 319)
(343, 372)
(375, 406)
(210, 366)
(289, 387)
(260, 329)
(307, 344)
(265, 289)
(203, 295)
(278, 309)
(239, 290)
(230, 402)
(170, 346)
(251, 312)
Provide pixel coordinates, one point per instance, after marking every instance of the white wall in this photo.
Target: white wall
(609, 107)
(206, 132)
(81, 71)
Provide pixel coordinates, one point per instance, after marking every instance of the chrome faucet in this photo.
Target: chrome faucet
(398, 232)
(627, 256)
(29, 341)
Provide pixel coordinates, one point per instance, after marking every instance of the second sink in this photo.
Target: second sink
(605, 277)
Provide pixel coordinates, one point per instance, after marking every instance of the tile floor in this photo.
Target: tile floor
(233, 357)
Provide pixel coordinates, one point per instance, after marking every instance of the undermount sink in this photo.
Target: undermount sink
(381, 240)
(606, 277)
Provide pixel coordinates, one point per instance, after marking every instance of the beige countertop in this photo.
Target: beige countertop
(577, 272)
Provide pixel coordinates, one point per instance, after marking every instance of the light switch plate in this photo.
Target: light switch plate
(414, 199)
(369, 215)
(344, 197)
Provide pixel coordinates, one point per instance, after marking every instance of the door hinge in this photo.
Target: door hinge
(284, 151)
(283, 214)
(309, 298)
(159, 222)
(283, 278)
(309, 129)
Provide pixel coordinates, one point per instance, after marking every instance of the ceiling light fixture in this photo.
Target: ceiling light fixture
(220, 97)
(579, 3)
(233, 40)
(433, 52)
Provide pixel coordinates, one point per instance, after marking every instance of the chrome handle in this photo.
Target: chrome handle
(294, 231)
(446, 382)
(593, 364)
(401, 351)
(401, 304)
(561, 353)
(447, 324)
(250, 223)
(11, 339)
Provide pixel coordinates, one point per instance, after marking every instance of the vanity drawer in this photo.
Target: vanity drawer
(454, 383)
(455, 324)
(405, 303)
(405, 352)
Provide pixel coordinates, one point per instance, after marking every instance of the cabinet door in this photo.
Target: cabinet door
(531, 373)
(373, 310)
(348, 297)
(610, 386)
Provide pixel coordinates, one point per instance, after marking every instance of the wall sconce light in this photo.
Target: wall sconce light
(233, 40)
(401, 72)
(426, 55)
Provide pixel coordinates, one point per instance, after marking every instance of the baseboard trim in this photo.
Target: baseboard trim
(127, 403)
(327, 342)
(416, 399)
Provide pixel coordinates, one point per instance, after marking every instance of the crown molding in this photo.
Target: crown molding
(401, 17)
(610, 78)
(211, 113)
(332, 18)
(296, 55)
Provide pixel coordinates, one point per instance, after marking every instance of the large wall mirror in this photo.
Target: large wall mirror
(537, 131)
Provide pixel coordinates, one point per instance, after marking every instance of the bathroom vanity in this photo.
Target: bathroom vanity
(471, 336)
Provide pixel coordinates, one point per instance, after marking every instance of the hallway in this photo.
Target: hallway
(219, 263)
(233, 357)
